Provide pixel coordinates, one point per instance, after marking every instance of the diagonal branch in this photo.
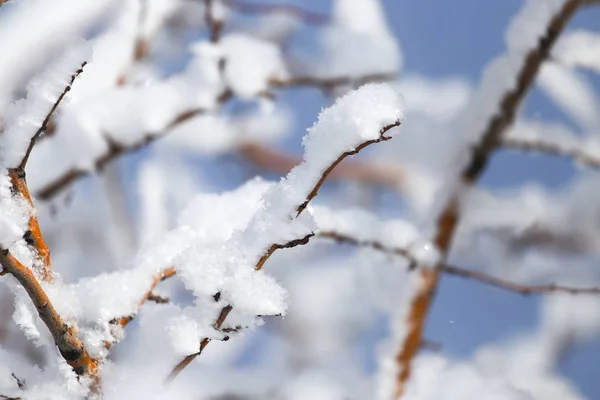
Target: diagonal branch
(320, 182)
(578, 155)
(65, 337)
(480, 156)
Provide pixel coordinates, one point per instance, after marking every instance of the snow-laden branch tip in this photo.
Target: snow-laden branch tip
(356, 120)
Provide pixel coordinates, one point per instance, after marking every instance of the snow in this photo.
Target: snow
(573, 93)
(357, 42)
(14, 213)
(578, 48)
(250, 64)
(39, 46)
(23, 118)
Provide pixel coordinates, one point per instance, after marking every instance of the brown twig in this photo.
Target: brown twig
(316, 188)
(578, 155)
(516, 287)
(115, 150)
(65, 337)
(273, 247)
(42, 128)
(149, 295)
(327, 84)
(490, 139)
(345, 238)
(215, 26)
(309, 17)
(461, 272)
(386, 175)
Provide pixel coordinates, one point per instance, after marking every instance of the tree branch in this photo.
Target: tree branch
(578, 155)
(148, 296)
(446, 225)
(516, 287)
(316, 188)
(327, 84)
(33, 236)
(65, 337)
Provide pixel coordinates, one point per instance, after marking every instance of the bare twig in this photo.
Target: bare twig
(516, 287)
(461, 272)
(316, 188)
(379, 174)
(578, 155)
(42, 128)
(157, 298)
(344, 238)
(309, 17)
(446, 226)
(20, 383)
(148, 296)
(327, 84)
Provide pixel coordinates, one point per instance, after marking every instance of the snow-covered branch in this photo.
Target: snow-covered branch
(493, 110)
(342, 130)
(65, 337)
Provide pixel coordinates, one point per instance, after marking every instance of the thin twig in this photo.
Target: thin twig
(42, 128)
(316, 188)
(327, 84)
(345, 238)
(148, 296)
(516, 287)
(578, 155)
(461, 272)
(379, 174)
(215, 26)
